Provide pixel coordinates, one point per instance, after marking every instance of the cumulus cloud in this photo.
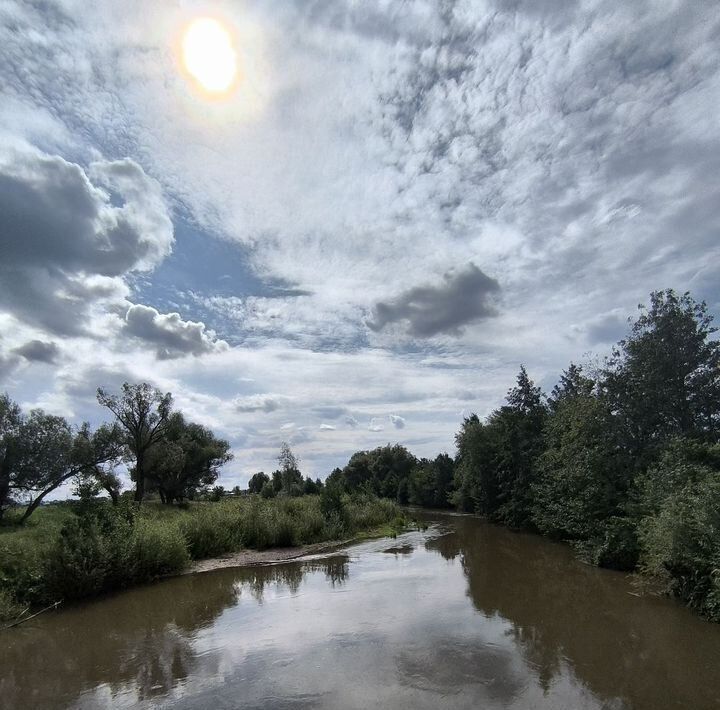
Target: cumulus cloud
(68, 235)
(397, 421)
(378, 423)
(570, 153)
(38, 351)
(463, 297)
(169, 334)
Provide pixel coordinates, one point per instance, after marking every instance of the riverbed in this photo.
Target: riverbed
(461, 615)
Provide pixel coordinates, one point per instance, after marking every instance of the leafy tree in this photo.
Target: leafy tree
(257, 482)
(679, 504)
(186, 460)
(583, 474)
(430, 482)
(144, 413)
(311, 487)
(476, 476)
(10, 422)
(288, 479)
(663, 380)
(517, 429)
(39, 452)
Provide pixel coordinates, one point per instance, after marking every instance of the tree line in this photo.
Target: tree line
(622, 459)
(164, 452)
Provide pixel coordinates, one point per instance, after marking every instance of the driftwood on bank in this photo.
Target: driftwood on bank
(55, 605)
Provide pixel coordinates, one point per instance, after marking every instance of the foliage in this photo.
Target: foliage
(185, 461)
(582, 474)
(383, 471)
(431, 482)
(72, 551)
(257, 482)
(496, 460)
(143, 412)
(39, 452)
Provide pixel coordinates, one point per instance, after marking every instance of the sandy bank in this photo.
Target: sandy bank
(247, 558)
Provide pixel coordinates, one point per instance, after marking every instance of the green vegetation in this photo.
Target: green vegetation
(621, 460)
(74, 550)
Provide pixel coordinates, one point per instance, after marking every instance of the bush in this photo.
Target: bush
(615, 547)
(99, 547)
(79, 562)
(681, 544)
(212, 530)
(158, 550)
(9, 608)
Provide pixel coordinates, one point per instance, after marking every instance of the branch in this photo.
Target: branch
(32, 616)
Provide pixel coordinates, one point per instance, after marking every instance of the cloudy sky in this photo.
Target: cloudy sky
(396, 204)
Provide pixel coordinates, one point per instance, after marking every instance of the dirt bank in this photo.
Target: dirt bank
(247, 558)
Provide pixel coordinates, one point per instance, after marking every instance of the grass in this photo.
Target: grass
(67, 552)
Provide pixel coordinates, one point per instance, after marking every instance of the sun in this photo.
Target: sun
(209, 56)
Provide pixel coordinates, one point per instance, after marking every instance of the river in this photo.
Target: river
(462, 615)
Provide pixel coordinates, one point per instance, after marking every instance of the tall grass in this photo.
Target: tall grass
(70, 552)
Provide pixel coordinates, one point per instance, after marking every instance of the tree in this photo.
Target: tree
(583, 475)
(10, 423)
(143, 412)
(663, 380)
(257, 482)
(430, 482)
(476, 475)
(39, 452)
(311, 487)
(288, 479)
(186, 460)
(517, 441)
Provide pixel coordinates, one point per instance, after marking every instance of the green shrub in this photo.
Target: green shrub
(158, 549)
(616, 546)
(79, 562)
(212, 530)
(681, 544)
(9, 608)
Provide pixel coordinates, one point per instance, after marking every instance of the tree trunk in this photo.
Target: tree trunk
(114, 495)
(36, 502)
(140, 476)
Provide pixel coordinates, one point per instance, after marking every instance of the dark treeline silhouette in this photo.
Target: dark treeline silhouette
(622, 460)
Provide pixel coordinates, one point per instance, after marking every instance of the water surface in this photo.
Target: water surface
(463, 615)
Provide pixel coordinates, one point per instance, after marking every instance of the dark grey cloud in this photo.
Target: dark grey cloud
(608, 328)
(68, 236)
(463, 297)
(169, 334)
(38, 351)
(257, 403)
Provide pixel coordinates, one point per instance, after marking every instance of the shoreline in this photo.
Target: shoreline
(255, 558)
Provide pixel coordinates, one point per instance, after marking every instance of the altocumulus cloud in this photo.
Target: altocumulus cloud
(171, 336)
(463, 297)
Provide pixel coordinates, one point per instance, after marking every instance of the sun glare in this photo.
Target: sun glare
(209, 55)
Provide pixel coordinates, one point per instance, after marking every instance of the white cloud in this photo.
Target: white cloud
(570, 155)
(169, 334)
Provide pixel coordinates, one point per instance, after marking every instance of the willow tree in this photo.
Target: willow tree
(143, 412)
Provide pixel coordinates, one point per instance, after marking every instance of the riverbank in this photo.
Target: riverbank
(70, 551)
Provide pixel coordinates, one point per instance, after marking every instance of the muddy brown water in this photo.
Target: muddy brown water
(462, 615)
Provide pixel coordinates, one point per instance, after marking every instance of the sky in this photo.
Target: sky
(395, 205)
